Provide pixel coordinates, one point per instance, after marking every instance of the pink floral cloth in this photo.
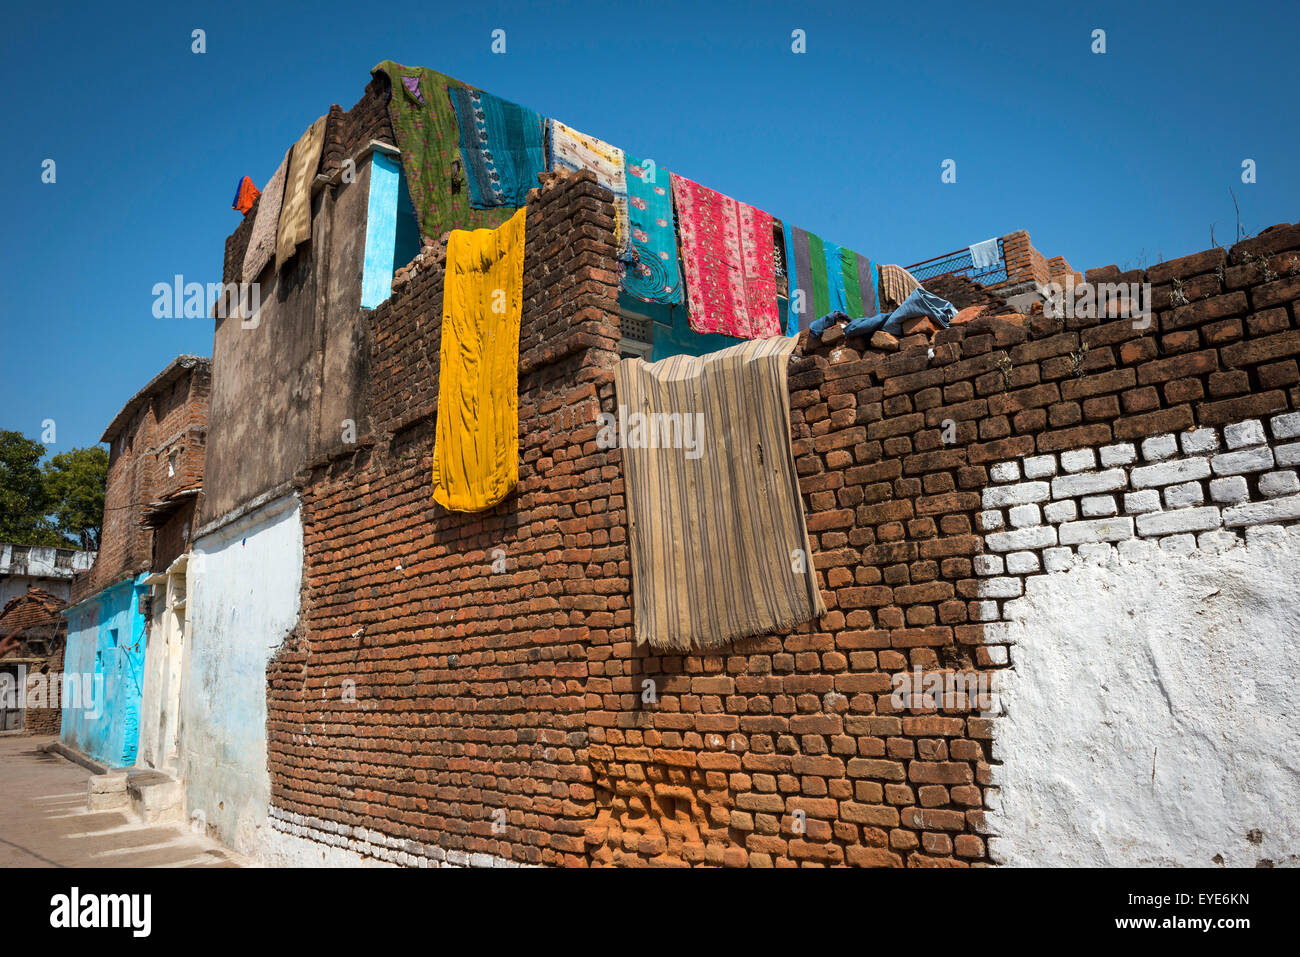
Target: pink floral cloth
(728, 262)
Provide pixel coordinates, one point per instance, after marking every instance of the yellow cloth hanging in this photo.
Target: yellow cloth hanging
(476, 444)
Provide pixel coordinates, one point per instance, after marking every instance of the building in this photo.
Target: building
(32, 675)
(24, 567)
(156, 445)
(372, 678)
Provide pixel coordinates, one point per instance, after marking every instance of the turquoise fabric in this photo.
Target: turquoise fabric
(502, 145)
(653, 274)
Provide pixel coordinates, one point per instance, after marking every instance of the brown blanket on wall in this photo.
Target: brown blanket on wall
(295, 211)
(715, 518)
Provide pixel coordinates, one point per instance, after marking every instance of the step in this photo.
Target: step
(107, 792)
(156, 798)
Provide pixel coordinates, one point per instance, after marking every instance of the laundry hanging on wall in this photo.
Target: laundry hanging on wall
(571, 150)
(424, 123)
(727, 262)
(245, 196)
(261, 241)
(896, 284)
(985, 255)
(652, 273)
(502, 146)
(919, 303)
(825, 277)
(295, 210)
(476, 440)
(716, 529)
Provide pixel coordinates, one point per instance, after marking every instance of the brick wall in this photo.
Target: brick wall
(1025, 264)
(499, 712)
(173, 420)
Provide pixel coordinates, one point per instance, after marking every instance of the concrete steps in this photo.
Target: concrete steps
(156, 798)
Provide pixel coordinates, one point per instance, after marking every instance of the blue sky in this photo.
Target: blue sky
(1126, 157)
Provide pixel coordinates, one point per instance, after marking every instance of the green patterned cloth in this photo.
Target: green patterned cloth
(428, 135)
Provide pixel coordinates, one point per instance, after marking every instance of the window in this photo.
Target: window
(638, 335)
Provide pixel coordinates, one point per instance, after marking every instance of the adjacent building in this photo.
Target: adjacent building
(156, 451)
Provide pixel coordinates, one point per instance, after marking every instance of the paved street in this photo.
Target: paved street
(44, 821)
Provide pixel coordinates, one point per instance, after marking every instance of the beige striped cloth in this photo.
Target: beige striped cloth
(715, 518)
(295, 210)
(261, 241)
(896, 284)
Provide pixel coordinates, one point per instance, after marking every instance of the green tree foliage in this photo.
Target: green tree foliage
(75, 482)
(61, 504)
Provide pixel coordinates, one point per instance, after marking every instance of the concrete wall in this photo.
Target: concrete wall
(164, 664)
(23, 567)
(1149, 718)
(268, 381)
(244, 583)
(106, 641)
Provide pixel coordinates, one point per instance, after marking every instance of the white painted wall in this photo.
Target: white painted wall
(245, 580)
(1151, 712)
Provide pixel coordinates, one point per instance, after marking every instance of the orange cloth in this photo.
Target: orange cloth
(476, 440)
(245, 196)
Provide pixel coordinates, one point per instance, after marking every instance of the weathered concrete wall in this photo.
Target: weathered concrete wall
(244, 582)
(276, 413)
(164, 668)
(106, 650)
(1149, 714)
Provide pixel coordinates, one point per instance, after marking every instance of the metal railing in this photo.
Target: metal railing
(959, 263)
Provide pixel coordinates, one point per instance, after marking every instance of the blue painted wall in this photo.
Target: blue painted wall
(106, 641)
(392, 236)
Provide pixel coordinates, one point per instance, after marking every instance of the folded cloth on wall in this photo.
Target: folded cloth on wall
(985, 255)
(261, 241)
(921, 302)
(716, 526)
(295, 210)
(476, 439)
(823, 278)
(572, 150)
(896, 284)
(652, 273)
(502, 145)
(424, 123)
(727, 261)
(245, 195)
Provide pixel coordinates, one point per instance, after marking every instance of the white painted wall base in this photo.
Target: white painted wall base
(1151, 711)
(297, 840)
(245, 582)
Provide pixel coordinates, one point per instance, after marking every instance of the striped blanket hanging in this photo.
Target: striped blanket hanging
(716, 526)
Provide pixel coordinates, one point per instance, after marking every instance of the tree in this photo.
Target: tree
(74, 482)
(61, 504)
(24, 498)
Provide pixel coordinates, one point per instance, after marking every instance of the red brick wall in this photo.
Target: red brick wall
(521, 691)
(176, 419)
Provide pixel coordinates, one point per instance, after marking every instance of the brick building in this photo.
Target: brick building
(157, 446)
(36, 666)
(371, 677)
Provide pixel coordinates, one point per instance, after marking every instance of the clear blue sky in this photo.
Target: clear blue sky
(1123, 158)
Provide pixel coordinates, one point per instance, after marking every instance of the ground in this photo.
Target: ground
(44, 821)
